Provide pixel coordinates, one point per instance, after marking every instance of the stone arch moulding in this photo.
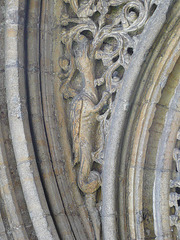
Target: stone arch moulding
(89, 119)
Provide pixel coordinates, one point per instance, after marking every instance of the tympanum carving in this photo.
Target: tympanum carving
(98, 39)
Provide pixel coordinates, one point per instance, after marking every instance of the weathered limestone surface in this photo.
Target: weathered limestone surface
(89, 119)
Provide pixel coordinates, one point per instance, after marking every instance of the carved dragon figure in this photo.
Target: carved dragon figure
(112, 25)
(84, 111)
(84, 114)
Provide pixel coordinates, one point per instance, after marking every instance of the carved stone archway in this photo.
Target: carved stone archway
(89, 119)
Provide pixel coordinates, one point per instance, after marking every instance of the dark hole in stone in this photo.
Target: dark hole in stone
(110, 40)
(113, 9)
(130, 51)
(178, 190)
(120, 24)
(108, 116)
(115, 58)
(153, 8)
(133, 9)
(88, 34)
(113, 96)
(120, 72)
(95, 16)
(109, 44)
(104, 109)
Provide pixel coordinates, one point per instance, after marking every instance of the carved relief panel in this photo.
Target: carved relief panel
(98, 40)
(90, 110)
